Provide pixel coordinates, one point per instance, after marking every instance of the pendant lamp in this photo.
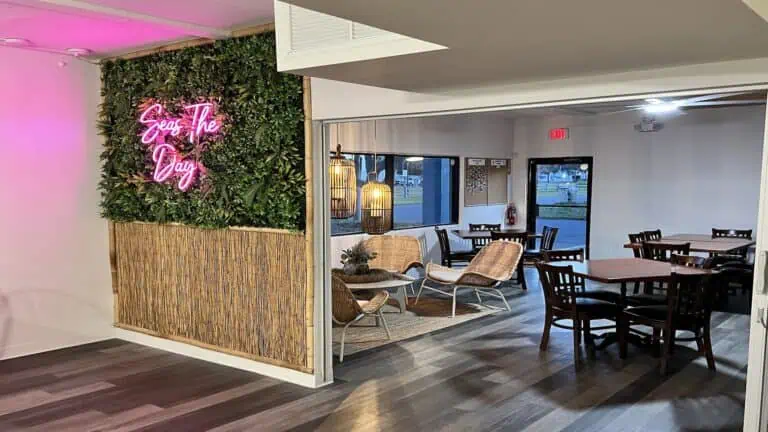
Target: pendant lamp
(376, 203)
(343, 182)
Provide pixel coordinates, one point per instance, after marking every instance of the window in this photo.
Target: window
(425, 190)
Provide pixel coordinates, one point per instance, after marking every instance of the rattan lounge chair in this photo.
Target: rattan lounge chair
(347, 310)
(493, 265)
(396, 254)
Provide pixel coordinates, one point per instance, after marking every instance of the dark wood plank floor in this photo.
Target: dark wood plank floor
(487, 374)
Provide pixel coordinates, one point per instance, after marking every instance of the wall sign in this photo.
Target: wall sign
(559, 134)
(177, 139)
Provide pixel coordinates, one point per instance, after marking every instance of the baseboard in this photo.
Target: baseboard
(42, 350)
(277, 372)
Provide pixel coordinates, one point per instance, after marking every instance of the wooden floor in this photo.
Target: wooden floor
(487, 374)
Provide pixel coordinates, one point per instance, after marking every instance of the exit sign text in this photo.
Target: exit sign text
(558, 134)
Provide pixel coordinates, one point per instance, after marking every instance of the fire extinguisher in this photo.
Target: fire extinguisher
(511, 214)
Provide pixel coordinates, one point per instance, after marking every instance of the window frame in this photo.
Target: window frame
(389, 179)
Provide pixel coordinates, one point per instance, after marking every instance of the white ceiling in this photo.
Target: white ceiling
(525, 40)
(109, 27)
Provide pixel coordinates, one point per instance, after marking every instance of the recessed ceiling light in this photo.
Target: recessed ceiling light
(78, 52)
(14, 41)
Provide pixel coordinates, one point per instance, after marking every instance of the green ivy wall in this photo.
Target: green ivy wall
(254, 173)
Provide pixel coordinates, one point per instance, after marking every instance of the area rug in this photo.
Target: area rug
(429, 315)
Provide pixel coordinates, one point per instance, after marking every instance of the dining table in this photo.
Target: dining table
(623, 271)
(702, 243)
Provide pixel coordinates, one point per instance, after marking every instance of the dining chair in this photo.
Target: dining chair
(479, 243)
(548, 237)
(745, 234)
(493, 265)
(515, 237)
(653, 235)
(688, 309)
(347, 310)
(562, 302)
(447, 255)
(577, 255)
(637, 239)
(663, 251)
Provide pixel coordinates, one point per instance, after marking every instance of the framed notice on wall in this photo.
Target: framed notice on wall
(485, 181)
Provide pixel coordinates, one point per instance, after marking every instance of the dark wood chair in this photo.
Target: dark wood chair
(448, 257)
(653, 235)
(688, 308)
(516, 237)
(737, 234)
(479, 243)
(578, 255)
(548, 237)
(664, 251)
(637, 251)
(562, 300)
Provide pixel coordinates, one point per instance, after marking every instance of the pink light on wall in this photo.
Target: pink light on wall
(168, 134)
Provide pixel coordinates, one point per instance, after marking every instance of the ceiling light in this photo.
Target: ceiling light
(14, 41)
(78, 52)
(414, 159)
(662, 107)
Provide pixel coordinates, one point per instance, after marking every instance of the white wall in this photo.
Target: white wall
(456, 135)
(55, 287)
(701, 171)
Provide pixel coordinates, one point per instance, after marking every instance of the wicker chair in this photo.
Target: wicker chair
(396, 254)
(347, 310)
(493, 265)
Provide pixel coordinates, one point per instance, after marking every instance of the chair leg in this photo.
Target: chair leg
(504, 299)
(547, 328)
(384, 323)
(576, 342)
(521, 275)
(656, 341)
(586, 328)
(479, 300)
(666, 350)
(453, 308)
(622, 328)
(708, 349)
(420, 290)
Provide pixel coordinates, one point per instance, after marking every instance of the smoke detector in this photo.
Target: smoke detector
(649, 124)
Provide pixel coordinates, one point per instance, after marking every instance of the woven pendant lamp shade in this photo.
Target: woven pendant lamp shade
(376, 208)
(343, 181)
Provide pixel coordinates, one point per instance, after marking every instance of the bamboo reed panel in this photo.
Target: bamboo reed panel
(242, 291)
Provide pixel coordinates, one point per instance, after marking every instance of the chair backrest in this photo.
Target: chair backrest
(664, 251)
(479, 243)
(395, 253)
(688, 260)
(563, 255)
(548, 236)
(494, 263)
(652, 235)
(637, 238)
(442, 239)
(345, 307)
(688, 298)
(732, 233)
(516, 237)
(560, 285)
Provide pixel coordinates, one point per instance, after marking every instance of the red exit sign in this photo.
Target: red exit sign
(558, 134)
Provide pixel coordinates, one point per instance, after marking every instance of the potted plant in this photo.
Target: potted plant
(355, 259)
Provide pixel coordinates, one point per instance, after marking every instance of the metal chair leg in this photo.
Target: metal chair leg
(453, 310)
(504, 299)
(384, 323)
(479, 300)
(420, 290)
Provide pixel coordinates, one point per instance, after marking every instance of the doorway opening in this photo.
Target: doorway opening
(560, 196)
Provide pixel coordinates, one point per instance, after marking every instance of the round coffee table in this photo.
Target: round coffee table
(400, 283)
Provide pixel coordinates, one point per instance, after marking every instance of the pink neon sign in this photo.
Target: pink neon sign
(167, 136)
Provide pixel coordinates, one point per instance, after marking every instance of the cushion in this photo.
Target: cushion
(646, 300)
(604, 295)
(657, 313)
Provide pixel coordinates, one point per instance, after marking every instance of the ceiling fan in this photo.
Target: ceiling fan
(677, 106)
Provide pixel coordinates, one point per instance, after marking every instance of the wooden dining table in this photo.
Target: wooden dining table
(623, 271)
(702, 243)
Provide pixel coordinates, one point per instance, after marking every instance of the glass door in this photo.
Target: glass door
(560, 196)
